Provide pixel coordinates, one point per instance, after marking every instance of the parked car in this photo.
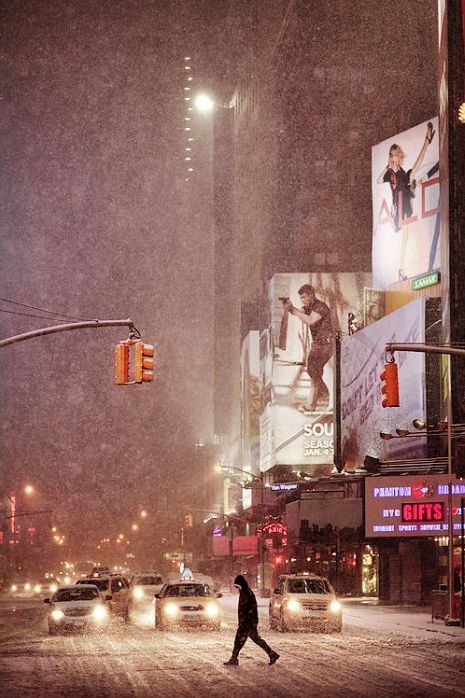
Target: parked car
(187, 603)
(114, 589)
(76, 606)
(304, 601)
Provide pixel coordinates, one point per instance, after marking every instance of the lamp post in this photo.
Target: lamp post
(260, 484)
(448, 351)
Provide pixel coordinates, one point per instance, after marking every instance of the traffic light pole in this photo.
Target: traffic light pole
(447, 350)
(89, 324)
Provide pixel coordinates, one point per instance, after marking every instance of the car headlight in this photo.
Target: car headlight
(138, 593)
(27, 587)
(212, 610)
(294, 606)
(57, 615)
(53, 588)
(99, 613)
(67, 580)
(171, 609)
(14, 588)
(37, 589)
(335, 606)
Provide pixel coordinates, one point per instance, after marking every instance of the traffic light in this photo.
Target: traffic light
(390, 388)
(143, 362)
(122, 363)
(188, 520)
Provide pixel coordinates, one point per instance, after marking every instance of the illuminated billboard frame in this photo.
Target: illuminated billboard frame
(298, 366)
(411, 506)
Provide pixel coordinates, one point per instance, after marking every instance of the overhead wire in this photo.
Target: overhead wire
(63, 316)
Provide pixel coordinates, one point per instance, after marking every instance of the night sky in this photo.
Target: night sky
(97, 222)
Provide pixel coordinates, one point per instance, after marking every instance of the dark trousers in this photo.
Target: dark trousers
(245, 631)
(319, 355)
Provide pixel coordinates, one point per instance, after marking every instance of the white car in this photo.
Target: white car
(187, 603)
(114, 589)
(74, 606)
(304, 601)
(144, 587)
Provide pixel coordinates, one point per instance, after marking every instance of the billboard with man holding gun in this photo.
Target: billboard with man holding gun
(307, 311)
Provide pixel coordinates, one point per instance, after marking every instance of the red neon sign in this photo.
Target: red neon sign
(426, 511)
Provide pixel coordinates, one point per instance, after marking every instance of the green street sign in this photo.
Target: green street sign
(426, 280)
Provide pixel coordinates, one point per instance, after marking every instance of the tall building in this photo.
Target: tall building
(315, 86)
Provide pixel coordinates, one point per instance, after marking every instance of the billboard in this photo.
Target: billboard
(297, 366)
(405, 197)
(251, 406)
(409, 506)
(362, 362)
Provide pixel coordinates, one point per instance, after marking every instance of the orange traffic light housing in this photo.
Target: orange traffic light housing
(143, 362)
(390, 389)
(122, 363)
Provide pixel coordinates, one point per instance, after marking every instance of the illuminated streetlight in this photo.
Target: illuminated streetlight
(29, 489)
(143, 513)
(135, 527)
(204, 103)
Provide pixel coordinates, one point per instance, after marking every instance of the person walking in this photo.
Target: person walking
(248, 623)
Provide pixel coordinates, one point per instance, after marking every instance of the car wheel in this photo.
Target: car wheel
(126, 615)
(52, 630)
(282, 623)
(272, 623)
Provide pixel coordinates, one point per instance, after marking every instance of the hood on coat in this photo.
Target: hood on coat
(242, 582)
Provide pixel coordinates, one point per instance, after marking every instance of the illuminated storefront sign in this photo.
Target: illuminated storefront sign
(410, 505)
(275, 535)
(284, 486)
(425, 281)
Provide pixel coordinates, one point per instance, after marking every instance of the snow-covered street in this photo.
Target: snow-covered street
(380, 652)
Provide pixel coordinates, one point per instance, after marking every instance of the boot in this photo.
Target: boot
(274, 656)
(234, 662)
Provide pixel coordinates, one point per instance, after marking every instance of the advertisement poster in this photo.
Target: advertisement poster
(411, 505)
(374, 305)
(362, 415)
(251, 406)
(297, 363)
(405, 196)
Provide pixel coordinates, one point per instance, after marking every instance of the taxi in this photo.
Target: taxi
(186, 604)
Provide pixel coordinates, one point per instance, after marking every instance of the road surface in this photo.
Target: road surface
(380, 652)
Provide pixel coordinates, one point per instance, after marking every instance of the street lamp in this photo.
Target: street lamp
(204, 103)
(259, 484)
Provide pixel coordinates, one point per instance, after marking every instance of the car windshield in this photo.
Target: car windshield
(76, 594)
(308, 586)
(187, 590)
(101, 584)
(148, 580)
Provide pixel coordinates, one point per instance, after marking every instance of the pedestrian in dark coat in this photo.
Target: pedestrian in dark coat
(248, 622)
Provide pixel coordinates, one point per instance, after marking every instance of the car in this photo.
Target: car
(114, 589)
(143, 589)
(304, 601)
(187, 603)
(76, 606)
(99, 570)
(35, 587)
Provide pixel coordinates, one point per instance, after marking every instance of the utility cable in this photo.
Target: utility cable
(43, 310)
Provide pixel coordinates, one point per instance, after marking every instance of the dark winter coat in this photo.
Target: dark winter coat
(247, 608)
